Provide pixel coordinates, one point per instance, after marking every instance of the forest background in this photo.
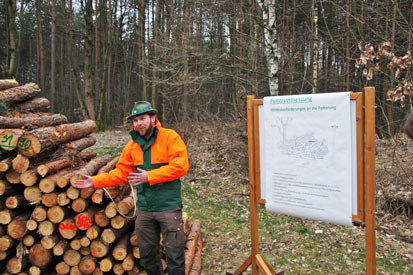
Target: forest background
(198, 60)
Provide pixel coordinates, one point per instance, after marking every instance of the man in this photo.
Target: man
(153, 161)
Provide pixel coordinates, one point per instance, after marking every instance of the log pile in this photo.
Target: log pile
(47, 226)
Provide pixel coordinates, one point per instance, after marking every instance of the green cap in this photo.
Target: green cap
(142, 107)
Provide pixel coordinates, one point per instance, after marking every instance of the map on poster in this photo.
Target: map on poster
(308, 156)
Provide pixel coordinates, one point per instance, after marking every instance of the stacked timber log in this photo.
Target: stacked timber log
(47, 226)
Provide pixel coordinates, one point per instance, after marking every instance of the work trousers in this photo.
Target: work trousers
(148, 227)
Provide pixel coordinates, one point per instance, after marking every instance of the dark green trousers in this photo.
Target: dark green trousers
(148, 227)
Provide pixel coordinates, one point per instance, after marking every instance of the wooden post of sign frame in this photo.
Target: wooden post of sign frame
(366, 180)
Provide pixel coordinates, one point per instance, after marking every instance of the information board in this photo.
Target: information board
(306, 149)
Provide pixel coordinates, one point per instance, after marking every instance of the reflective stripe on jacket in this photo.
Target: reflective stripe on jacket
(165, 158)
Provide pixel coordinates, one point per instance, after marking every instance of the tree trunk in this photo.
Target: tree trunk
(191, 244)
(21, 93)
(32, 122)
(271, 44)
(8, 83)
(53, 56)
(12, 47)
(88, 66)
(40, 50)
(53, 166)
(37, 141)
(315, 47)
(35, 105)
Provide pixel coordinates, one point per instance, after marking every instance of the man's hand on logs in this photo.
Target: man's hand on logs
(138, 178)
(86, 182)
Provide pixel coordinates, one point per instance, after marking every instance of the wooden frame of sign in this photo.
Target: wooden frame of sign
(366, 180)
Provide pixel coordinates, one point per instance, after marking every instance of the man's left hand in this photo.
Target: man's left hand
(138, 178)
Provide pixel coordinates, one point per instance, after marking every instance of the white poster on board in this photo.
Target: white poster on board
(308, 161)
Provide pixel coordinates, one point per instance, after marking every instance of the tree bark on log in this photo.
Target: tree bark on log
(197, 263)
(53, 166)
(34, 105)
(109, 166)
(7, 189)
(8, 83)
(191, 243)
(126, 204)
(91, 167)
(82, 143)
(32, 122)
(20, 93)
(38, 140)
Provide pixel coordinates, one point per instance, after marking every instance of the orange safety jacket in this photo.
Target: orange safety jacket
(165, 158)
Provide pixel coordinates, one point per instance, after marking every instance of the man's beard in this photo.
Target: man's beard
(146, 131)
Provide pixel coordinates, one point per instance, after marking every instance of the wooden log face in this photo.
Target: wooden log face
(32, 194)
(39, 256)
(9, 139)
(87, 265)
(16, 228)
(68, 229)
